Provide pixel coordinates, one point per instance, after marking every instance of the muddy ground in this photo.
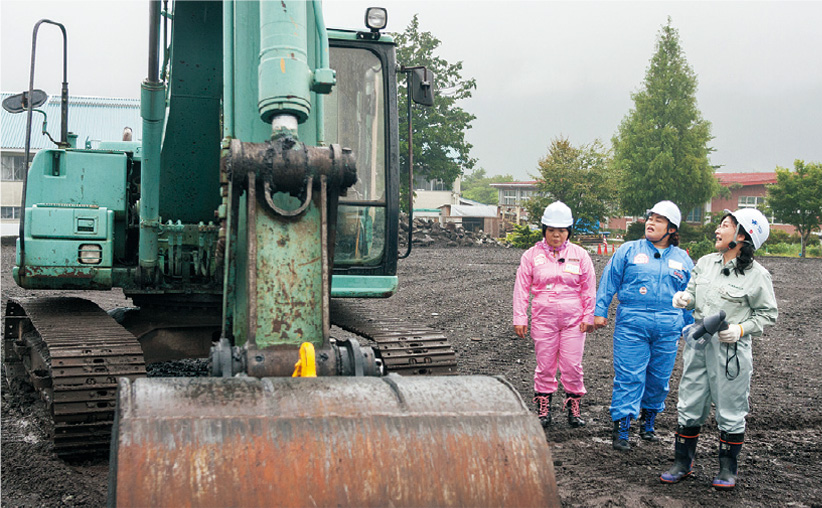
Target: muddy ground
(467, 293)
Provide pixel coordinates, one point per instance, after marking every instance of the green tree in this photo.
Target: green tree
(440, 149)
(477, 186)
(582, 178)
(796, 198)
(661, 148)
(522, 237)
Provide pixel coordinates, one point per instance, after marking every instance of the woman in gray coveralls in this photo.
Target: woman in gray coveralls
(720, 374)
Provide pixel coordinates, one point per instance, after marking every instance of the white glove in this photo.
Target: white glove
(681, 299)
(730, 335)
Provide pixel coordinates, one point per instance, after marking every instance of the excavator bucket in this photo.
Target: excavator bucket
(391, 441)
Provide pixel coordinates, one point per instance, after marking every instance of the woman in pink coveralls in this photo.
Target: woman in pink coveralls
(560, 276)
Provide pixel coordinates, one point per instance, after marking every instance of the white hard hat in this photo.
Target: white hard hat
(557, 215)
(668, 210)
(754, 223)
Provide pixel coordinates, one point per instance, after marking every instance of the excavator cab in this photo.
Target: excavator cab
(266, 184)
(357, 117)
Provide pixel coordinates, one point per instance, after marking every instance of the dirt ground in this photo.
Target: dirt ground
(467, 294)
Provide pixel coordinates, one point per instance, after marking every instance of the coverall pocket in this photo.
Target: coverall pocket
(733, 295)
(678, 280)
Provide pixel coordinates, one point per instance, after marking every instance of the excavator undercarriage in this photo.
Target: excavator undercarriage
(72, 353)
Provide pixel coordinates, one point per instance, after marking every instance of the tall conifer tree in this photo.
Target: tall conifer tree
(661, 149)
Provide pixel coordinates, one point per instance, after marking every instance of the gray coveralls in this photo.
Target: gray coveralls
(747, 300)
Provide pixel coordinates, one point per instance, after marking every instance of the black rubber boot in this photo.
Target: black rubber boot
(646, 425)
(543, 402)
(574, 414)
(684, 452)
(729, 447)
(620, 436)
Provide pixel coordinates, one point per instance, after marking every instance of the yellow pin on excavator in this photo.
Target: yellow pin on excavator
(285, 134)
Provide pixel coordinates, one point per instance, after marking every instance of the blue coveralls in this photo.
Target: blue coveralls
(647, 326)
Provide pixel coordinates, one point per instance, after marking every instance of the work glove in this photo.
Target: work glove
(730, 334)
(681, 299)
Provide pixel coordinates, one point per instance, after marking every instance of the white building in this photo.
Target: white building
(429, 196)
(512, 198)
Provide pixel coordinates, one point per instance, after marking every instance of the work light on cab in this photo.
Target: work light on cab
(376, 18)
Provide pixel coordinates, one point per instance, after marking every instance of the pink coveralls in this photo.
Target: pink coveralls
(564, 288)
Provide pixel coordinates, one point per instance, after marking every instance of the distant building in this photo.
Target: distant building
(92, 119)
(430, 195)
(473, 216)
(512, 198)
(748, 190)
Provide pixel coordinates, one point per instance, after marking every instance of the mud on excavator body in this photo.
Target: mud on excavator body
(266, 183)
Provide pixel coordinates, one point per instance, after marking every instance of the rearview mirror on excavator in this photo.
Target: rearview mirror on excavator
(19, 103)
(422, 86)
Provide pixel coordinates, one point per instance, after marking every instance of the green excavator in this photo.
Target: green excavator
(261, 203)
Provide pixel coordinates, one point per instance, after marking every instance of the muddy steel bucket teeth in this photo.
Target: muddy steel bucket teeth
(392, 441)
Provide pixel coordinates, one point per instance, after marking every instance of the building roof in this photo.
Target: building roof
(470, 202)
(91, 118)
(746, 179)
(511, 185)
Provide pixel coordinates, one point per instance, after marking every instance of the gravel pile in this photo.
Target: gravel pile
(429, 232)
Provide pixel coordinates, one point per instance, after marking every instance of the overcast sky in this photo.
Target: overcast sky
(544, 69)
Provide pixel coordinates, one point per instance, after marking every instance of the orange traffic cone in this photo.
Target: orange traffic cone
(599, 249)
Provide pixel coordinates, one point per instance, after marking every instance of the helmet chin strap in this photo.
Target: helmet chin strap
(667, 233)
(733, 243)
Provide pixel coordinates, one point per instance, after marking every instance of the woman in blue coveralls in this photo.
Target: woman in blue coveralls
(644, 274)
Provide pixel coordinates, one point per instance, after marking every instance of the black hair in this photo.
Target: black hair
(569, 228)
(745, 256)
(673, 237)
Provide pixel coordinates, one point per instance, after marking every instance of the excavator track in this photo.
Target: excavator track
(72, 352)
(404, 348)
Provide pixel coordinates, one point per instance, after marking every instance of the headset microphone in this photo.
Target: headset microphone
(733, 243)
(657, 255)
(726, 272)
